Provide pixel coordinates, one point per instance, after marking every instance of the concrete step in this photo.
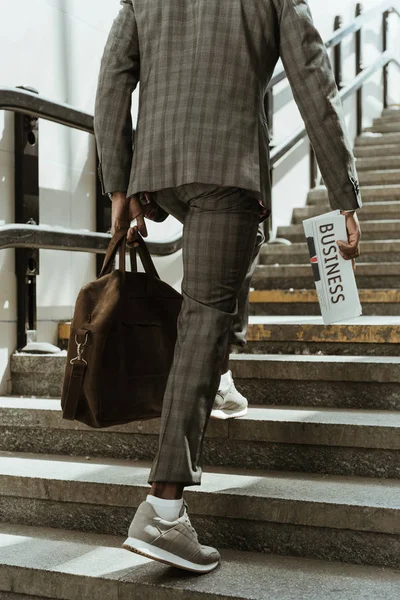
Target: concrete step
(393, 111)
(368, 275)
(383, 229)
(364, 152)
(392, 119)
(373, 193)
(297, 253)
(316, 516)
(305, 302)
(384, 127)
(371, 211)
(310, 440)
(380, 177)
(341, 381)
(377, 139)
(338, 381)
(375, 336)
(378, 162)
(40, 562)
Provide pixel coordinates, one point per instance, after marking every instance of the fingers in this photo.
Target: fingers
(119, 214)
(140, 227)
(118, 224)
(136, 211)
(348, 251)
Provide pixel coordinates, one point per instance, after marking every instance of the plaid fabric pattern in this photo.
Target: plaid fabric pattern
(204, 68)
(179, 210)
(219, 250)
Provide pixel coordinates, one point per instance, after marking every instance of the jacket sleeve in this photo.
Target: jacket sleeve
(118, 77)
(310, 74)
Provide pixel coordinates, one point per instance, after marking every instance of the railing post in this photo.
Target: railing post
(338, 55)
(385, 24)
(269, 111)
(103, 214)
(313, 169)
(359, 68)
(26, 132)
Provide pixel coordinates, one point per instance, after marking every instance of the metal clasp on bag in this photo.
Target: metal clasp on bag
(79, 350)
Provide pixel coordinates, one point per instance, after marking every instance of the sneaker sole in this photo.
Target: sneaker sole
(227, 414)
(149, 551)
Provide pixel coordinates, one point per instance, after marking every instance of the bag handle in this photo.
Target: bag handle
(145, 257)
(112, 249)
(118, 242)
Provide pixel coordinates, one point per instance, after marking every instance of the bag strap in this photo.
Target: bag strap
(112, 249)
(75, 383)
(145, 257)
(118, 242)
(74, 390)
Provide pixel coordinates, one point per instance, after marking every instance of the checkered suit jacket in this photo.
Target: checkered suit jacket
(204, 67)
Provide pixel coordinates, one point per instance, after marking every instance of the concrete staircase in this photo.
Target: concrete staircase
(302, 495)
(283, 283)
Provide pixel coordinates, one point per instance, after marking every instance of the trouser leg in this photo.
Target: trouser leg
(238, 333)
(218, 245)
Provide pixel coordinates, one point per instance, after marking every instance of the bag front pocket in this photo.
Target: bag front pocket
(144, 349)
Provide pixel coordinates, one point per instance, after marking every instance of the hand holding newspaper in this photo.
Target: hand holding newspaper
(334, 276)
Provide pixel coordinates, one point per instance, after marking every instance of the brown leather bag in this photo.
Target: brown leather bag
(122, 342)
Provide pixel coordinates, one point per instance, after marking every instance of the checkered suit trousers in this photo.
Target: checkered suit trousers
(221, 240)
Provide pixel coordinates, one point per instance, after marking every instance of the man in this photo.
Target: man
(201, 154)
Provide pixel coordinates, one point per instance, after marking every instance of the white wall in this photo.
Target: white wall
(56, 46)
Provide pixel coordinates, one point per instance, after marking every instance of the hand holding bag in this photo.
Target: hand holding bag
(122, 342)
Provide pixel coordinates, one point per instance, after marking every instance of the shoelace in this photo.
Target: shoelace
(192, 529)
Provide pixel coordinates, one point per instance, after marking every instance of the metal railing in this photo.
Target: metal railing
(48, 237)
(28, 236)
(382, 11)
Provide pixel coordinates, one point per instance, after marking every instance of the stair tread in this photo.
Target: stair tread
(316, 368)
(282, 367)
(317, 320)
(394, 266)
(270, 358)
(366, 223)
(371, 205)
(315, 358)
(367, 189)
(385, 171)
(87, 565)
(376, 246)
(365, 269)
(364, 329)
(262, 423)
(28, 473)
(381, 138)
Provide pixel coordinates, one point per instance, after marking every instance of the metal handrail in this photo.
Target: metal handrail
(385, 58)
(340, 34)
(47, 237)
(26, 102)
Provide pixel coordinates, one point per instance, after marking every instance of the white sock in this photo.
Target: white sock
(226, 382)
(166, 509)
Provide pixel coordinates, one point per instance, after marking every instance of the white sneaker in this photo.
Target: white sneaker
(174, 543)
(229, 404)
